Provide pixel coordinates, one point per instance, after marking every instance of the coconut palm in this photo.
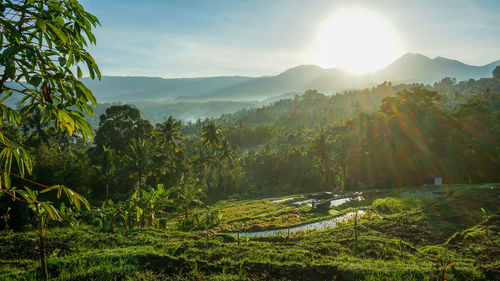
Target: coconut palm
(168, 134)
(211, 135)
(140, 160)
(226, 150)
(107, 170)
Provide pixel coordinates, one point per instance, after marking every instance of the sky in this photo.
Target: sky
(184, 38)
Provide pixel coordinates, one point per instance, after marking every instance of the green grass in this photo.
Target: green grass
(407, 234)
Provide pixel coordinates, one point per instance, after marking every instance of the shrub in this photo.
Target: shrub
(391, 205)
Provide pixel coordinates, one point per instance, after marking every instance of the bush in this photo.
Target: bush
(391, 205)
(206, 219)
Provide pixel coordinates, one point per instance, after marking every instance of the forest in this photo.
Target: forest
(310, 143)
(234, 197)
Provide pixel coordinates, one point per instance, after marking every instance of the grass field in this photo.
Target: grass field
(425, 233)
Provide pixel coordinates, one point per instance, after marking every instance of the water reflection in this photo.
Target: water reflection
(331, 223)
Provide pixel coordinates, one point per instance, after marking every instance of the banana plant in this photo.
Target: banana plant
(109, 213)
(188, 193)
(146, 204)
(139, 210)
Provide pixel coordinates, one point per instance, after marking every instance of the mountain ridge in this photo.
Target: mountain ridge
(409, 68)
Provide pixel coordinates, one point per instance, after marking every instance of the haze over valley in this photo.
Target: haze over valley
(207, 97)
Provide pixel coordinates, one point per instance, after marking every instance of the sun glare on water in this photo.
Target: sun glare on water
(356, 41)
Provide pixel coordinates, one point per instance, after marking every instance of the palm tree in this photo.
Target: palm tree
(211, 135)
(169, 134)
(226, 150)
(140, 160)
(107, 169)
(203, 161)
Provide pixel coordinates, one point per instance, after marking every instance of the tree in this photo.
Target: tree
(211, 135)
(34, 128)
(203, 162)
(140, 160)
(227, 150)
(496, 72)
(119, 126)
(188, 193)
(226, 153)
(42, 43)
(107, 170)
(322, 151)
(168, 134)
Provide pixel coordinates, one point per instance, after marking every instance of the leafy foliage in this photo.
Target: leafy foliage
(42, 43)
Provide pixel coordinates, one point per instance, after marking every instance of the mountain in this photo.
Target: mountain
(127, 89)
(419, 68)
(407, 69)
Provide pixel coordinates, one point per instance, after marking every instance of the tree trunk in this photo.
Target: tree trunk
(43, 249)
(139, 174)
(43, 257)
(356, 232)
(220, 183)
(344, 180)
(107, 193)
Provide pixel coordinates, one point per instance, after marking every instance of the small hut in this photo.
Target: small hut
(435, 179)
(438, 181)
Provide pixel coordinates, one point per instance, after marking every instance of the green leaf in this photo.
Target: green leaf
(59, 20)
(58, 33)
(41, 24)
(51, 188)
(36, 80)
(12, 29)
(6, 180)
(12, 51)
(62, 208)
(79, 72)
(51, 211)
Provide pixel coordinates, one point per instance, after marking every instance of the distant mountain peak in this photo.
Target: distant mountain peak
(302, 69)
(413, 56)
(447, 60)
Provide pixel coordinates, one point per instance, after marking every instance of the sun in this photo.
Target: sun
(356, 41)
